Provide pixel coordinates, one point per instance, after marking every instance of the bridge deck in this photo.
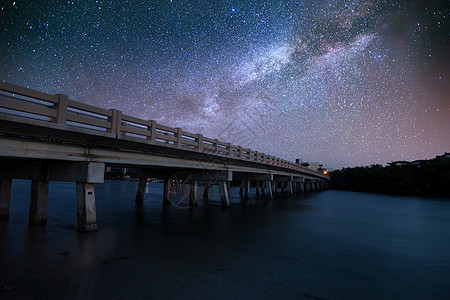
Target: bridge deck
(50, 137)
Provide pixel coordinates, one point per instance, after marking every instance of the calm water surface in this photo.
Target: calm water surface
(328, 245)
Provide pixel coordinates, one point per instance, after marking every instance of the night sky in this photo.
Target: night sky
(341, 82)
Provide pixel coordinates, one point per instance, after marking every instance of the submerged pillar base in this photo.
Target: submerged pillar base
(269, 189)
(87, 228)
(224, 194)
(141, 190)
(206, 191)
(38, 202)
(290, 188)
(87, 217)
(166, 192)
(193, 196)
(246, 188)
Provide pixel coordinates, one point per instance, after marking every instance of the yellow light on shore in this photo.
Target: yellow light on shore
(325, 172)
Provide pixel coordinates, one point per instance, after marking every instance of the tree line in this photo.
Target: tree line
(424, 178)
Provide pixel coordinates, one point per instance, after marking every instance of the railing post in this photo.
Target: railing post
(229, 149)
(178, 134)
(240, 151)
(152, 130)
(116, 122)
(200, 142)
(216, 142)
(61, 108)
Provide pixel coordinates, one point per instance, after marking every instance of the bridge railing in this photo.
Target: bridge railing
(28, 103)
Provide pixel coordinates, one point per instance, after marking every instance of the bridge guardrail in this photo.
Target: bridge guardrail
(28, 103)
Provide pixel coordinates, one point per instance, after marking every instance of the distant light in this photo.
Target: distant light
(325, 172)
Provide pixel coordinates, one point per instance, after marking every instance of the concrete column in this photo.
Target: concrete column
(301, 188)
(275, 187)
(87, 217)
(224, 196)
(246, 188)
(318, 186)
(38, 202)
(313, 188)
(206, 191)
(166, 192)
(258, 183)
(269, 189)
(5, 197)
(229, 189)
(193, 196)
(289, 188)
(241, 189)
(141, 189)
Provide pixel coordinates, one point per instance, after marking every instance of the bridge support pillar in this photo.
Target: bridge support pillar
(38, 202)
(87, 217)
(258, 185)
(289, 188)
(246, 188)
(5, 197)
(141, 190)
(166, 192)
(224, 194)
(206, 190)
(313, 186)
(269, 189)
(274, 186)
(241, 188)
(296, 187)
(193, 196)
(306, 187)
(301, 187)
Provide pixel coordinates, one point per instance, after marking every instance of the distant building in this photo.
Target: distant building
(317, 166)
(399, 163)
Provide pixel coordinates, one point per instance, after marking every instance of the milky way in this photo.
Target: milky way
(342, 82)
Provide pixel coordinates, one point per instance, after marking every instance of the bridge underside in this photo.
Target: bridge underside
(51, 153)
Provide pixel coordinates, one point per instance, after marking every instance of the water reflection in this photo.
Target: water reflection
(330, 245)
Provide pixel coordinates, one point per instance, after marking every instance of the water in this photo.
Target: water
(328, 245)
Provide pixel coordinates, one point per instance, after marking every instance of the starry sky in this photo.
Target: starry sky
(346, 83)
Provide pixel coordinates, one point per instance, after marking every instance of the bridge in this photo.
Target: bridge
(46, 137)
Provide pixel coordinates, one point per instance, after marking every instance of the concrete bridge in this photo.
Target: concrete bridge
(47, 137)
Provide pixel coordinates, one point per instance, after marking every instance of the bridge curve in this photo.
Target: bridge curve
(50, 137)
